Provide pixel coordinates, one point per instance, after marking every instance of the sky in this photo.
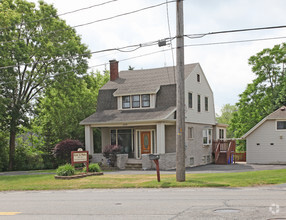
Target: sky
(225, 65)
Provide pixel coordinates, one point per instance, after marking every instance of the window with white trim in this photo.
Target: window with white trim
(281, 125)
(136, 101)
(125, 101)
(190, 99)
(199, 103)
(221, 134)
(207, 136)
(206, 103)
(145, 101)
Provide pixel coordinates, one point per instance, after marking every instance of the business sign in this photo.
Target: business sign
(80, 157)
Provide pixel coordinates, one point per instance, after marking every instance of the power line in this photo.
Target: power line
(132, 48)
(121, 49)
(96, 21)
(169, 29)
(192, 36)
(65, 13)
(231, 42)
(190, 45)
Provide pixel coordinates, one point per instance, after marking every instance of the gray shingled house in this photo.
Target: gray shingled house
(137, 110)
(266, 141)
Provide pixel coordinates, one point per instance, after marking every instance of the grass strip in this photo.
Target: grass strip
(48, 182)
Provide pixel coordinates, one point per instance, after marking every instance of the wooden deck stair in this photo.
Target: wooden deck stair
(224, 151)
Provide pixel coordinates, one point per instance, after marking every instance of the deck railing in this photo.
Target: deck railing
(226, 146)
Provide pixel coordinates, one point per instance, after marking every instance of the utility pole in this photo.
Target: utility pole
(180, 121)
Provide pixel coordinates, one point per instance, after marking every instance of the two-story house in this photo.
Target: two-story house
(137, 110)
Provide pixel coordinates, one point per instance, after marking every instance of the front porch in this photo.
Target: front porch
(136, 140)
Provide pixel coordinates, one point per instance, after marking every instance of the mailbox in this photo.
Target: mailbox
(154, 156)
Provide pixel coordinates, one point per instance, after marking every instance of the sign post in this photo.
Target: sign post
(80, 157)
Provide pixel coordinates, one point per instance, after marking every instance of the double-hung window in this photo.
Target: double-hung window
(136, 101)
(145, 100)
(125, 101)
(207, 136)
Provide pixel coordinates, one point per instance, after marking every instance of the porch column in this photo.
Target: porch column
(89, 139)
(160, 127)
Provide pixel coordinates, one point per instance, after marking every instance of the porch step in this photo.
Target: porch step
(133, 164)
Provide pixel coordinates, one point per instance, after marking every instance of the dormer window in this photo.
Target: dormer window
(145, 101)
(125, 101)
(136, 101)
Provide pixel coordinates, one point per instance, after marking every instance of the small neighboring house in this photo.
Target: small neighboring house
(137, 110)
(266, 141)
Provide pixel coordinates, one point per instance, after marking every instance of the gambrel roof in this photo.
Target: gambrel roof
(159, 81)
(145, 81)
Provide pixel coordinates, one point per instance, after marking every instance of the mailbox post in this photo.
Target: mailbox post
(156, 158)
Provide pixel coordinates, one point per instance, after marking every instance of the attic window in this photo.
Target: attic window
(145, 100)
(281, 125)
(136, 101)
(198, 78)
(125, 101)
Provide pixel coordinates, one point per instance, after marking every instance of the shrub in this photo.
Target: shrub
(28, 158)
(65, 170)
(110, 151)
(62, 151)
(94, 167)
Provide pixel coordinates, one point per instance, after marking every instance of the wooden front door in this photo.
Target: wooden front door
(145, 142)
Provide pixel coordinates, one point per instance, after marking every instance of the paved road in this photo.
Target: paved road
(187, 203)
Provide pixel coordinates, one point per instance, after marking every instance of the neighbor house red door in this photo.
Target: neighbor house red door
(145, 142)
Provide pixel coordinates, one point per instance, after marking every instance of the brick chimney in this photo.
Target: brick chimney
(113, 70)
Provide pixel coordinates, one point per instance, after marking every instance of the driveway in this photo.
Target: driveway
(210, 168)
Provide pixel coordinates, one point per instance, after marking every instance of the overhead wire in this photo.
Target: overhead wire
(152, 43)
(190, 45)
(192, 36)
(62, 14)
(172, 52)
(96, 21)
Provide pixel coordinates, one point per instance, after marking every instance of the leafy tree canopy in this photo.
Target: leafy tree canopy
(266, 93)
(226, 116)
(36, 47)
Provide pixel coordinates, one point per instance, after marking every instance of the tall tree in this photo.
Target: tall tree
(267, 91)
(65, 104)
(227, 112)
(36, 46)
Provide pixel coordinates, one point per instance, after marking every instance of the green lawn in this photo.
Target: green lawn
(47, 182)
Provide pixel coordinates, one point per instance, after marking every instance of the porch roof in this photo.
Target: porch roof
(124, 116)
